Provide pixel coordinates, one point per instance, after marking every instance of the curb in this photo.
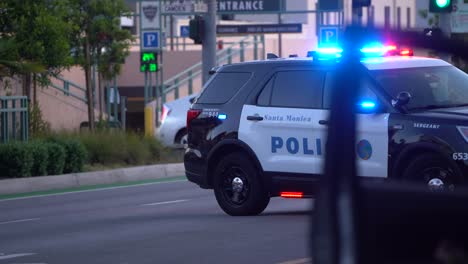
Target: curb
(74, 180)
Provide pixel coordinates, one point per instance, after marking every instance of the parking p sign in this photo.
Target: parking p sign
(150, 40)
(328, 36)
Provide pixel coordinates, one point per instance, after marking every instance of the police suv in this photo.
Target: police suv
(258, 129)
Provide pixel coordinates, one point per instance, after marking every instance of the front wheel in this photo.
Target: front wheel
(238, 187)
(437, 173)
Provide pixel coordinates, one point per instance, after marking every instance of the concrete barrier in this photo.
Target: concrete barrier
(74, 180)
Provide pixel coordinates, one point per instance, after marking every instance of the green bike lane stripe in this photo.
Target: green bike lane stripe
(89, 188)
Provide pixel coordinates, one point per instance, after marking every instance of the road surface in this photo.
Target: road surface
(169, 222)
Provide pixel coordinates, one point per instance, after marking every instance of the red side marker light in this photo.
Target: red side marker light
(406, 52)
(291, 194)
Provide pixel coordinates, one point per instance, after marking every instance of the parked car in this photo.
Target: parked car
(172, 132)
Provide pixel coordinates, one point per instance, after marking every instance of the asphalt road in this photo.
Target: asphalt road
(172, 222)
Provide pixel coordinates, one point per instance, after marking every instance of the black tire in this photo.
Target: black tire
(431, 167)
(251, 199)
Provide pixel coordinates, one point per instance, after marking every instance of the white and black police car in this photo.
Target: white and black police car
(258, 129)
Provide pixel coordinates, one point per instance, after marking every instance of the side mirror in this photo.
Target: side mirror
(403, 99)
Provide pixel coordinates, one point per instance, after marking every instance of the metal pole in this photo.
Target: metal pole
(116, 111)
(150, 87)
(13, 117)
(444, 24)
(357, 16)
(123, 111)
(255, 48)
(209, 41)
(109, 110)
(156, 93)
(171, 30)
(146, 88)
(280, 36)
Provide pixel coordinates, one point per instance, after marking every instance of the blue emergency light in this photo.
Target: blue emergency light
(371, 50)
(367, 105)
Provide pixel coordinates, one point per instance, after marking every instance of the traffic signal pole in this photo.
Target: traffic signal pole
(209, 41)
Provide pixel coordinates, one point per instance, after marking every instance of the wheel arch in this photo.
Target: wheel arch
(407, 155)
(179, 134)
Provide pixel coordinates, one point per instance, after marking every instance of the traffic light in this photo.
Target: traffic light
(361, 3)
(197, 29)
(440, 6)
(148, 61)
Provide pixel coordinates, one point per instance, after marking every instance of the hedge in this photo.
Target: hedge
(60, 153)
(15, 160)
(57, 156)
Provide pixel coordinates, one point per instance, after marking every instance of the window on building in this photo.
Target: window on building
(398, 18)
(387, 17)
(408, 17)
(370, 16)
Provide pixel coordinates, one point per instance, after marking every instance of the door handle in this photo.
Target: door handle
(255, 118)
(323, 122)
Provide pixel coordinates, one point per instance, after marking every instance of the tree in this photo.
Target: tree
(97, 28)
(34, 37)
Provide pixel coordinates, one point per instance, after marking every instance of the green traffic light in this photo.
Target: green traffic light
(148, 57)
(442, 3)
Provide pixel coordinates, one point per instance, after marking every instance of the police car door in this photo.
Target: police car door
(372, 128)
(282, 128)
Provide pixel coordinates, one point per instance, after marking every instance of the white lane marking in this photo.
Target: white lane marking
(16, 255)
(19, 221)
(298, 261)
(85, 191)
(167, 202)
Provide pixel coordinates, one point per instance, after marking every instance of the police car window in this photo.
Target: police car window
(366, 91)
(430, 87)
(265, 95)
(299, 89)
(222, 87)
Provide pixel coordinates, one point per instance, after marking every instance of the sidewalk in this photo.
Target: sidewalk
(46, 183)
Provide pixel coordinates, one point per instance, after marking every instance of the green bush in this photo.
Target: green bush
(155, 147)
(76, 156)
(105, 148)
(75, 153)
(110, 148)
(40, 156)
(57, 157)
(15, 160)
(138, 152)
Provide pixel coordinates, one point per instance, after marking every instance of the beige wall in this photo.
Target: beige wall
(174, 62)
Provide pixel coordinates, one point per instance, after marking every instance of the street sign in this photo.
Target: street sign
(459, 17)
(248, 6)
(150, 13)
(328, 36)
(181, 6)
(148, 61)
(150, 40)
(184, 31)
(200, 7)
(258, 29)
